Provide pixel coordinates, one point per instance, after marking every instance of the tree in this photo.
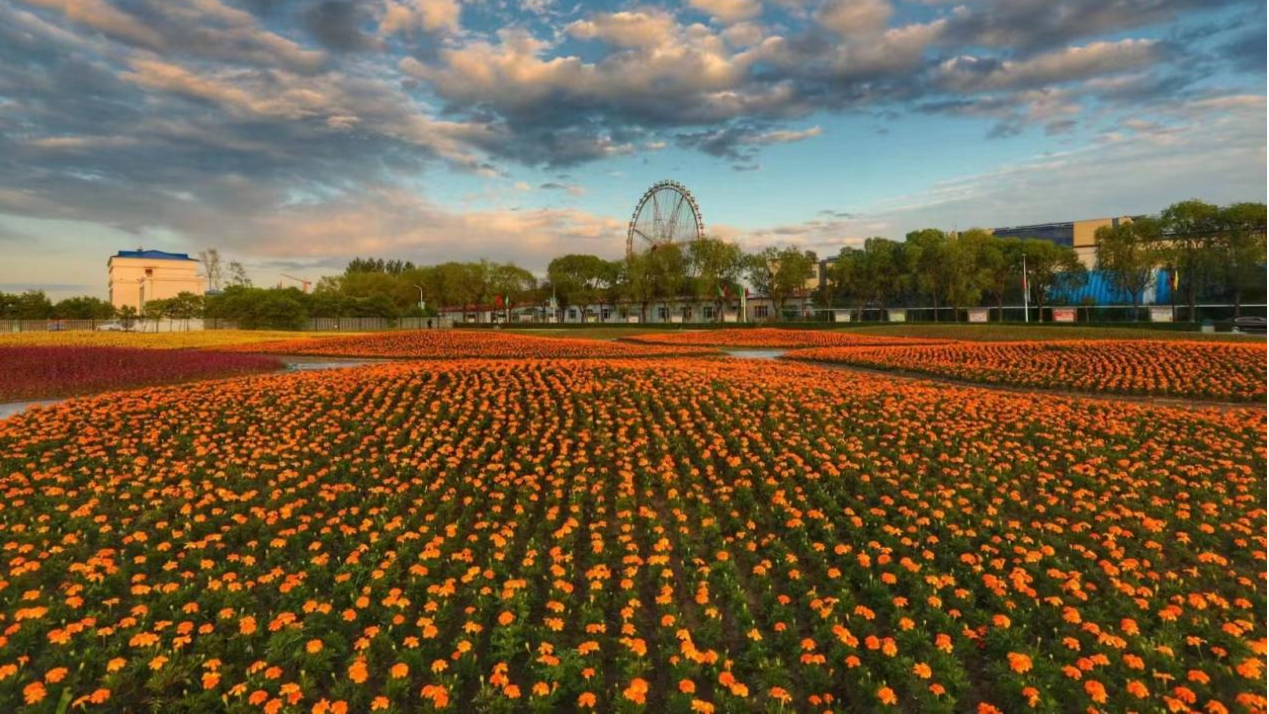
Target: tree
(1051, 267)
(925, 254)
(83, 307)
(185, 307)
(965, 269)
(1001, 260)
(1129, 252)
(279, 310)
(210, 259)
(1242, 248)
(511, 282)
(576, 279)
(128, 316)
(1190, 228)
(667, 272)
(30, 305)
(636, 281)
(715, 267)
(238, 274)
(780, 273)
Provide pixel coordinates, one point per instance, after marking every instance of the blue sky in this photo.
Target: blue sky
(295, 134)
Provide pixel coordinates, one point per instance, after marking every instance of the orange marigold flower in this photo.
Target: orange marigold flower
(1019, 662)
(357, 671)
(887, 696)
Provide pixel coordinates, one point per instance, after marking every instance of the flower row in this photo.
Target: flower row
(1209, 370)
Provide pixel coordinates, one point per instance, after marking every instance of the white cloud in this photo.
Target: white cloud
(440, 16)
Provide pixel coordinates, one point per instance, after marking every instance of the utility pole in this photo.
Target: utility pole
(421, 303)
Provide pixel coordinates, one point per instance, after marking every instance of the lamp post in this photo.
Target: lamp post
(421, 303)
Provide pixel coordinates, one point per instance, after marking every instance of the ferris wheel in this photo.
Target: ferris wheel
(667, 213)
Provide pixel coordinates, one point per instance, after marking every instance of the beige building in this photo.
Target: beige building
(137, 276)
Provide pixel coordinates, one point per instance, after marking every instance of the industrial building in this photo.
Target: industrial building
(1080, 235)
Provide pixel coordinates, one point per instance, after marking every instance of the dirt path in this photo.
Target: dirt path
(1032, 391)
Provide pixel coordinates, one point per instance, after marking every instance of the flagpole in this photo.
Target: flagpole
(1026, 299)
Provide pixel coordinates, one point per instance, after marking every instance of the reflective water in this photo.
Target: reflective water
(756, 354)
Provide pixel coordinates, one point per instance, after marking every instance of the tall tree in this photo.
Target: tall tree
(925, 253)
(1129, 253)
(667, 271)
(715, 268)
(83, 307)
(210, 259)
(238, 275)
(1242, 248)
(577, 279)
(1191, 227)
(1001, 265)
(965, 269)
(780, 273)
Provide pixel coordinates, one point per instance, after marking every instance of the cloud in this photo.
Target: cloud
(739, 142)
(850, 18)
(433, 16)
(337, 25)
(1099, 59)
(728, 11)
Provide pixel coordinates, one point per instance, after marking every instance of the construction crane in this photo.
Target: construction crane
(302, 281)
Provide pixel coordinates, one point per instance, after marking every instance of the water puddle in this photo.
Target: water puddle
(313, 364)
(9, 409)
(756, 354)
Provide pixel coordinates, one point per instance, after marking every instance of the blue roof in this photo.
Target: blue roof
(152, 255)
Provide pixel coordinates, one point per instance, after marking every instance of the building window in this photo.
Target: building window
(663, 313)
(760, 311)
(687, 314)
(708, 312)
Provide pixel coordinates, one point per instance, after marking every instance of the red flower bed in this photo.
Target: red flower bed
(41, 372)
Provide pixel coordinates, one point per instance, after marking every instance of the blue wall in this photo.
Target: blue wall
(1103, 292)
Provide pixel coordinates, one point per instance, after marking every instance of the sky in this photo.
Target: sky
(292, 135)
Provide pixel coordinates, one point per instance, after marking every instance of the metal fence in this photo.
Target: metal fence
(1082, 313)
(315, 324)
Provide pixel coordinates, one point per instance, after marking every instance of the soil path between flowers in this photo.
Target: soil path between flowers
(910, 376)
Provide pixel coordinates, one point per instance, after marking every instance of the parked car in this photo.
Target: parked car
(112, 327)
(1253, 325)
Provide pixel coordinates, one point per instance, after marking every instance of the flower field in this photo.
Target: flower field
(465, 344)
(672, 535)
(40, 372)
(1203, 370)
(772, 338)
(194, 339)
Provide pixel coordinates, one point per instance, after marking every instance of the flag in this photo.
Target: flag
(498, 301)
(722, 290)
(1176, 278)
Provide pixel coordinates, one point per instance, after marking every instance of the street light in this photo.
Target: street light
(421, 303)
